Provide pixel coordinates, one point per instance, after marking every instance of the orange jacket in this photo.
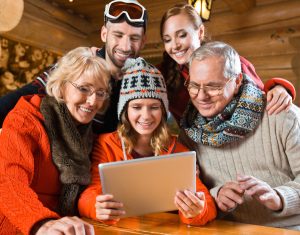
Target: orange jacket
(108, 148)
(29, 183)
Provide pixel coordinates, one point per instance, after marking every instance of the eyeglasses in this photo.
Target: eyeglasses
(133, 10)
(194, 88)
(88, 91)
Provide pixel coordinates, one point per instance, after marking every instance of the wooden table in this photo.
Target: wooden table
(166, 223)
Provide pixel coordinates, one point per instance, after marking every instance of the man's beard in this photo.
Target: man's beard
(119, 64)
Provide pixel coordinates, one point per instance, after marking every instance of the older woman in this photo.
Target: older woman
(45, 145)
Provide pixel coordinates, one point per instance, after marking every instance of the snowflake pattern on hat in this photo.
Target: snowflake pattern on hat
(141, 80)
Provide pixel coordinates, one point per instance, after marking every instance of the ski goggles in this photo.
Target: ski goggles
(134, 11)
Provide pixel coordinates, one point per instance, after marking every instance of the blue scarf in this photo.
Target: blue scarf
(240, 117)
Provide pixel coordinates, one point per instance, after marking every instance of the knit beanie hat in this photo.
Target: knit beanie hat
(141, 80)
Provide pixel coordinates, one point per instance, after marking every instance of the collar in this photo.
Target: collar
(184, 70)
(101, 52)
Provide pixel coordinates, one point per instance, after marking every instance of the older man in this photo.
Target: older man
(249, 159)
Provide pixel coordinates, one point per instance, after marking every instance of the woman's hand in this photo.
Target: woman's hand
(66, 226)
(278, 100)
(189, 204)
(107, 208)
(94, 50)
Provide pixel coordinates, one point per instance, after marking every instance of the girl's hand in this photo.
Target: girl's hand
(189, 204)
(278, 100)
(107, 208)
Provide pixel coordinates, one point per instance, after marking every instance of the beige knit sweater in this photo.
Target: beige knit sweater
(272, 154)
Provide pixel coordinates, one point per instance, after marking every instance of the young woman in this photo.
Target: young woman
(182, 32)
(142, 132)
(45, 145)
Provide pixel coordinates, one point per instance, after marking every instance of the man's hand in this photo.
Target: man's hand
(229, 196)
(261, 191)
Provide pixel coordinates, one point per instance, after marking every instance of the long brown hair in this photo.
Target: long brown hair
(160, 138)
(169, 67)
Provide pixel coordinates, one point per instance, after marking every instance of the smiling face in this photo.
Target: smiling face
(209, 73)
(144, 115)
(122, 41)
(83, 108)
(181, 38)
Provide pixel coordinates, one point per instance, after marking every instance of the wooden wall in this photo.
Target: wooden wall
(267, 32)
(46, 26)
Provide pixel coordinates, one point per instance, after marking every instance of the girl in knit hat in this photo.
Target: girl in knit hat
(142, 132)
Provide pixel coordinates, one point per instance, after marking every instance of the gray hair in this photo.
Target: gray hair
(232, 63)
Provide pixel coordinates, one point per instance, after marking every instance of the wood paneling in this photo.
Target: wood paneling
(49, 27)
(268, 35)
(265, 31)
(240, 6)
(229, 22)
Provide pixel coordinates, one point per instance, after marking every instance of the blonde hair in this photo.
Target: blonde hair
(77, 62)
(160, 139)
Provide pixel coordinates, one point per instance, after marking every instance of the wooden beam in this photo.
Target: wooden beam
(284, 40)
(263, 17)
(70, 20)
(224, 23)
(44, 35)
(48, 27)
(282, 61)
(264, 43)
(240, 6)
(39, 17)
(266, 74)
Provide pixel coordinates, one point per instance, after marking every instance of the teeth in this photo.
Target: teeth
(145, 123)
(85, 110)
(121, 54)
(180, 53)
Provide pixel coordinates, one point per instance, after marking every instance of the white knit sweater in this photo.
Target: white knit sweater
(272, 154)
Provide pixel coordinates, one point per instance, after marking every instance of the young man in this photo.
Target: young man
(123, 33)
(248, 159)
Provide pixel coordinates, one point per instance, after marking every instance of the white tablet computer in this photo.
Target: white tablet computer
(149, 185)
